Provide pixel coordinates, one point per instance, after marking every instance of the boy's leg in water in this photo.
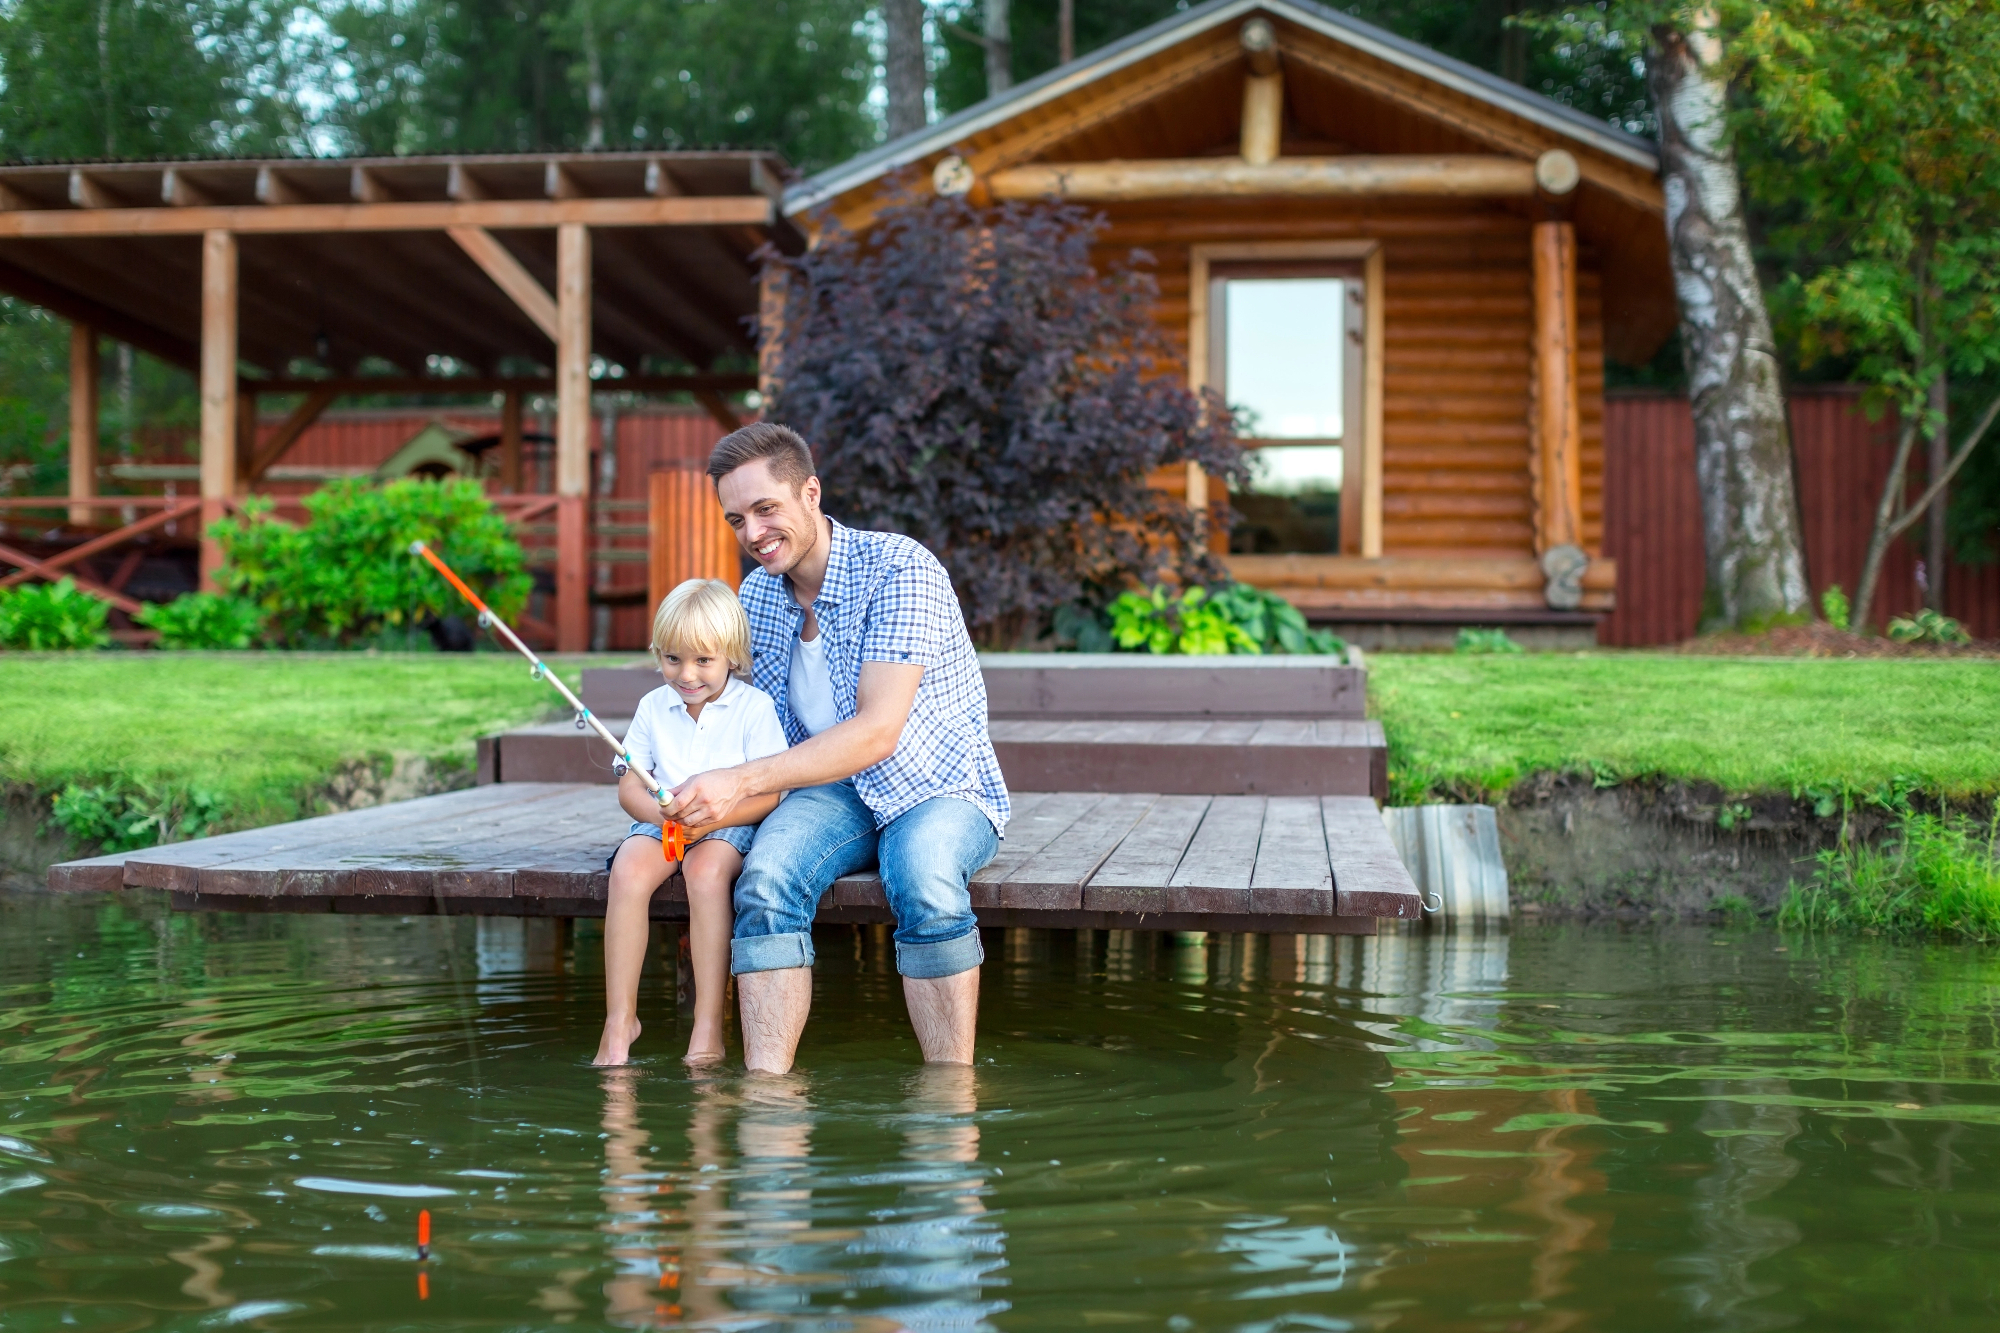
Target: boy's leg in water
(637, 871)
(710, 872)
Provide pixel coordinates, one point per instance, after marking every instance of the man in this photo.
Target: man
(859, 639)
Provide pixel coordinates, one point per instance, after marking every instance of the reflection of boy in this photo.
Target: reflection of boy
(704, 717)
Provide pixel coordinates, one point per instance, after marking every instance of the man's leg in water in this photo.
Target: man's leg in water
(929, 854)
(813, 838)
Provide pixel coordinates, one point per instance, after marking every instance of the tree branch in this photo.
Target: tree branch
(1943, 479)
(967, 34)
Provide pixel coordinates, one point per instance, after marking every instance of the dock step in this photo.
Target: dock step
(1267, 757)
(1149, 861)
(1106, 685)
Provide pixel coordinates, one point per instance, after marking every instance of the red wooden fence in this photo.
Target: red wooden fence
(1652, 516)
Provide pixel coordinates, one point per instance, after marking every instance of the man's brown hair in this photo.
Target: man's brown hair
(790, 457)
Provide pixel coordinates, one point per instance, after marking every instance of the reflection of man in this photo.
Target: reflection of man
(859, 639)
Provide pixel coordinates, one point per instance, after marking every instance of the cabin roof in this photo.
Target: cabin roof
(1501, 95)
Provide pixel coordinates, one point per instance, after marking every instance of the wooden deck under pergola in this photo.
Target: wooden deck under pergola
(512, 273)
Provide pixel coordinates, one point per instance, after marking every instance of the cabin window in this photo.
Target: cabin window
(1285, 351)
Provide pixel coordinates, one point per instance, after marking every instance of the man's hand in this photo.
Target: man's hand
(707, 798)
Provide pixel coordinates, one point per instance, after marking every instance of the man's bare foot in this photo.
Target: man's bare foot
(617, 1040)
(705, 1047)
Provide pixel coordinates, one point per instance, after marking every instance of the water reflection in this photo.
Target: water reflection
(231, 1121)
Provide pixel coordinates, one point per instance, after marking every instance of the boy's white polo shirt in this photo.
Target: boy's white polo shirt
(735, 727)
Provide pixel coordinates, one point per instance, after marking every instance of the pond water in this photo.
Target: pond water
(223, 1121)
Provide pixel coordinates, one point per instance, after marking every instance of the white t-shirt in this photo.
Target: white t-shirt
(735, 727)
(809, 689)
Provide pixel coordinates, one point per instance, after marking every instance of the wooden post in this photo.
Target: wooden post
(218, 391)
(246, 437)
(510, 441)
(1263, 124)
(1373, 352)
(82, 421)
(1558, 444)
(686, 537)
(572, 437)
(771, 292)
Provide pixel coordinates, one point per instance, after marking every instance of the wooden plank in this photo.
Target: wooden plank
(1293, 874)
(1027, 833)
(176, 867)
(1369, 878)
(1214, 873)
(217, 387)
(1053, 878)
(1134, 878)
(1369, 175)
(572, 435)
(268, 219)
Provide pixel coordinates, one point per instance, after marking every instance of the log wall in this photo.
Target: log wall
(1456, 389)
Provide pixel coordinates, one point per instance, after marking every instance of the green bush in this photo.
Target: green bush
(42, 617)
(203, 620)
(1928, 626)
(1234, 618)
(1472, 640)
(1934, 873)
(118, 819)
(1833, 604)
(347, 575)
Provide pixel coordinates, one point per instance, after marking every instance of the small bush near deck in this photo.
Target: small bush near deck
(970, 377)
(1472, 640)
(203, 620)
(1936, 873)
(120, 819)
(1234, 618)
(46, 617)
(347, 575)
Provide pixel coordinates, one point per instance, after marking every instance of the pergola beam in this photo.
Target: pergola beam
(295, 426)
(499, 264)
(112, 323)
(503, 214)
(355, 384)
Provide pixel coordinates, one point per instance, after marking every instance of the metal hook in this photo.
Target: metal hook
(1438, 908)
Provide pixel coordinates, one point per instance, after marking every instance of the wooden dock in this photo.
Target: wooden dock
(1192, 795)
(1310, 865)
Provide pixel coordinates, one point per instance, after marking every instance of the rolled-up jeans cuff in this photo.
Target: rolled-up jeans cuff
(770, 953)
(943, 958)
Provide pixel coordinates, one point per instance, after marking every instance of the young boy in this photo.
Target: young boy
(706, 716)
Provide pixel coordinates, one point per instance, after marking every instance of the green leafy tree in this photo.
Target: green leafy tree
(347, 574)
(1876, 126)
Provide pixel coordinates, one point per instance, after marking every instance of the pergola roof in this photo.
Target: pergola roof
(401, 258)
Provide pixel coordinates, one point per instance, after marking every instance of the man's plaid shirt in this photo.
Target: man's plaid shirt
(887, 599)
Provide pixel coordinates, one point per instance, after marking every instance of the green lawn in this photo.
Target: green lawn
(259, 732)
(1470, 723)
(262, 733)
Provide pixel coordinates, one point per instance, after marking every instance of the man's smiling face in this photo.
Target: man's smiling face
(777, 526)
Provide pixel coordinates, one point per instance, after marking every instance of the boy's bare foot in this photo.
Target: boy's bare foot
(705, 1046)
(616, 1043)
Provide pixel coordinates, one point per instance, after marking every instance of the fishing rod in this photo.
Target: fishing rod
(673, 838)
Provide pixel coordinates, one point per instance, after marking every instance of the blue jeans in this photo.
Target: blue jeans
(927, 855)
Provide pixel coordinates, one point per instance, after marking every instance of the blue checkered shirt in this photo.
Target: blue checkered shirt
(887, 599)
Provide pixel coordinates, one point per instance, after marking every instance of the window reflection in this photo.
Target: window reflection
(1283, 345)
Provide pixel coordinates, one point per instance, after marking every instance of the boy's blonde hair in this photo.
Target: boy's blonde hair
(703, 616)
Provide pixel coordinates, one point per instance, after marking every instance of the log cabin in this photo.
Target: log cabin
(1402, 272)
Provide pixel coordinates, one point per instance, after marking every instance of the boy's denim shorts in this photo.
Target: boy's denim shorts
(740, 838)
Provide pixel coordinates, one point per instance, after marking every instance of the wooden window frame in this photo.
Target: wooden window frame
(1201, 328)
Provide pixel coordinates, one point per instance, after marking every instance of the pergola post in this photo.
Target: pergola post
(1558, 446)
(510, 441)
(82, 421)
(218, 391)
(572, 437)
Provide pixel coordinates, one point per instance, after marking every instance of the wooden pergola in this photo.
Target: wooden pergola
(512, 271)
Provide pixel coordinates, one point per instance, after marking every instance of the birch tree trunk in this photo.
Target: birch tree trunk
(999, 48)
(1743, 456)
(906, 74)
